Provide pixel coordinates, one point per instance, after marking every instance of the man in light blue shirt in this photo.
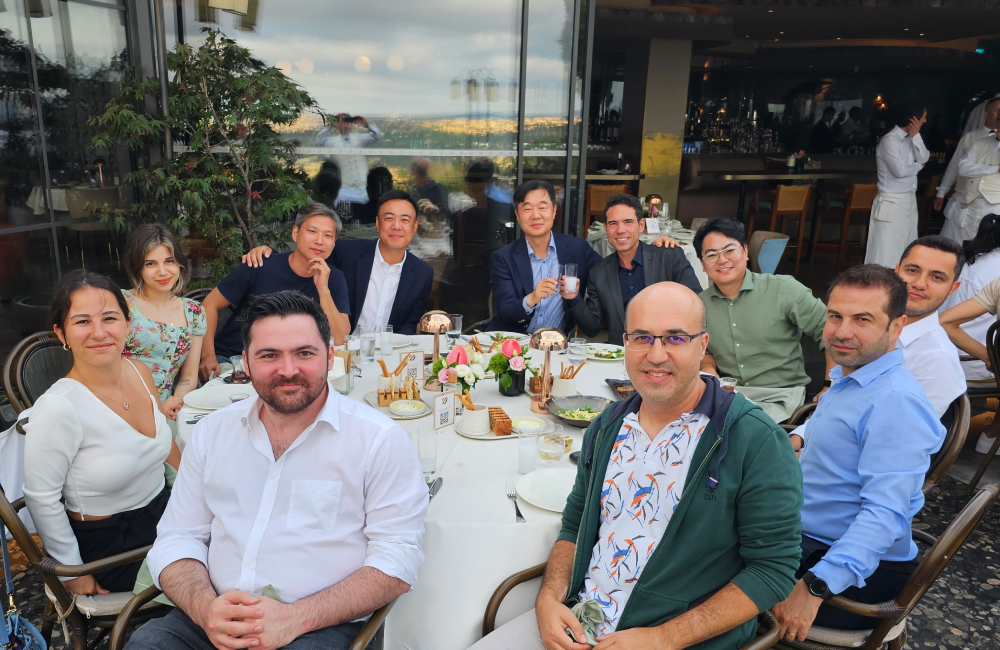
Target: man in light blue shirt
(864, 454)
(549, 311)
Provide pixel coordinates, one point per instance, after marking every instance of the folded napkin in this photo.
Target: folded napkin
(590, 615)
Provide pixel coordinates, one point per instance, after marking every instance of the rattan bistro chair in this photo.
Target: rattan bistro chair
(198, 295)
(891, 628)
(767, 626)
(34, 364)
(993, 352)
(85, 612)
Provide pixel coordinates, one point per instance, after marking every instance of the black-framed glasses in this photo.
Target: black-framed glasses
(730, 252)
(644, 342)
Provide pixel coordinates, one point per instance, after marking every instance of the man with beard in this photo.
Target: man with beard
(257, 554)
(683, 465)
(930, 267)
(864, 453)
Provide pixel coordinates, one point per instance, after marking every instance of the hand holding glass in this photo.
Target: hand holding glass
(568, 271)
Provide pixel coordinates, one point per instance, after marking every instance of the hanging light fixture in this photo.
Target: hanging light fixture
(237, 7)
(39, 9)
(472, 88)
(456, 88)
(3, 7)
(492, 90)
(512, 91)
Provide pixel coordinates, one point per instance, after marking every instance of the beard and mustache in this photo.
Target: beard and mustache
(290, 403)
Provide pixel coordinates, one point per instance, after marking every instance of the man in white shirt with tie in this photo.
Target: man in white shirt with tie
(982, 123)
(294, 515)
(900, 155)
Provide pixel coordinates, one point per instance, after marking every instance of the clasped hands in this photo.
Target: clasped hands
(554, 617)
(237, 619)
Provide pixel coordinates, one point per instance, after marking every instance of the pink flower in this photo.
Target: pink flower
(510, 347)
(458, 355)
(517, 363)
(443, 376)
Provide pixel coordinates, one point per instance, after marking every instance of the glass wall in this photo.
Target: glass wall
(59, 64)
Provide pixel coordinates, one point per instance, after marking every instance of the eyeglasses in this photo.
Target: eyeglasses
(644, 342)
(731, 252)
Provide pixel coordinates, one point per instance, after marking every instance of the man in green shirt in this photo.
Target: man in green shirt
(756, 322)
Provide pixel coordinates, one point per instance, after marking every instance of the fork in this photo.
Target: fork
(512, 495)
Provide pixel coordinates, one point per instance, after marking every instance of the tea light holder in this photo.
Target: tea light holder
(546, 339)
(436, 322)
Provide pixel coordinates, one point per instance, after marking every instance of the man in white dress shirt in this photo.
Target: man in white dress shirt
(982, 123)
(931, 267)
(980, 169)
(900, 155)
(330, 538)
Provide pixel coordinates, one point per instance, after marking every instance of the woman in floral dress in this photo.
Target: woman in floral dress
(167, 330)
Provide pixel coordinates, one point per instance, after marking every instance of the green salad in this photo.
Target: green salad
(585, 413)
(611, 353)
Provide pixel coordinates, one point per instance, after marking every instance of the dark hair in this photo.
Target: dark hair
(907, 111)
(281, 304)
(723, 226)
(939, 243)
(987, 239)
(829, 110)
(875, 276)
(144, 239)
(855, 110)
(624, 199)
(396, 195)
(62, 297)
(328, 183)
(527, 187)
(480, 171)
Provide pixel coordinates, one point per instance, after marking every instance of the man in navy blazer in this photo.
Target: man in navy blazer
(385, 283)
(529, 290)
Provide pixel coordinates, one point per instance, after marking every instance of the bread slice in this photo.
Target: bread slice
(500, 423)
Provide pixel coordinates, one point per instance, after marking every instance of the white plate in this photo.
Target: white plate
(486, 338)
(395, 410)
(401, 341)
(682, 233)
(602, 347)
(372, 399)
(547, 488)
(212, 398)
(489, 435)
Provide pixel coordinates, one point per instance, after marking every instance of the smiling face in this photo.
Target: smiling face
(95, 329)
(858, 330)
(929, 275)
(288, 362)
(664, 375)
(623, 228)
(160, 270)
(316, 237)
(723, 270)
(397, 223)
(536, 213)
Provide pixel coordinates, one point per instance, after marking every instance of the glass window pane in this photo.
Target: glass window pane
(27, 275)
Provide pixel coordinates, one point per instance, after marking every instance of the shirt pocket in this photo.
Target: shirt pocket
(313, 506)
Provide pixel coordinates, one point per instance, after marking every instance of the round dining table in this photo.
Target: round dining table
(472, 541)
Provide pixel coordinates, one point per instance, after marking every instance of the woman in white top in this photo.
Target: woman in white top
(96, 440)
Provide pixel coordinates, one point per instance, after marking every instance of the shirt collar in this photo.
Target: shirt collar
(913, 331)
(868, 373)
(899, 132)
(381, 260)
(637, 259)
(551, 249)
(747, 285)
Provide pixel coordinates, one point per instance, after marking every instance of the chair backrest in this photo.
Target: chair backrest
(765, 249)
(792, 198)
(954, 440)
(696, 223)
(598, 195)
(35, 363)
(932, 184)
(861, 197)
(198, 294)
(993, 349)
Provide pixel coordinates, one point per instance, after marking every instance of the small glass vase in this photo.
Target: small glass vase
(516, 386)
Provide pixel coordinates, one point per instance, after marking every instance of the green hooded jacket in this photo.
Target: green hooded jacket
(737, 520)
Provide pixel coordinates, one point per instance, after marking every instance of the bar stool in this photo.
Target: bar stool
(858, 201)
(788, 201)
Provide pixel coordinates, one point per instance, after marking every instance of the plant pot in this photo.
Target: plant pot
(516, 386)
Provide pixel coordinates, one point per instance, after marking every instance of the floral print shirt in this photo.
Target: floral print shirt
(642, 487)
(162, 347)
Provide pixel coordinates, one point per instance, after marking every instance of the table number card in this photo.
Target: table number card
(652, 227)
(444, 410)
(414, 368)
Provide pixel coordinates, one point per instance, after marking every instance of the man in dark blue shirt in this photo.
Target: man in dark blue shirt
(304, 269)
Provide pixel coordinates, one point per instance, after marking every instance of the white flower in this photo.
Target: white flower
(462, 370)
(477, 370)
(477, 359)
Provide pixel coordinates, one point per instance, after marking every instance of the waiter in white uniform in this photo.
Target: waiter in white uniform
(981, 168)
(983, 121)
(900, 155)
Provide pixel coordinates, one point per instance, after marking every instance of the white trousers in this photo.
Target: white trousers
(893, 225)
(520, 634)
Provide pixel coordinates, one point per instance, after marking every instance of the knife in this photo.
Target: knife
(432, 488)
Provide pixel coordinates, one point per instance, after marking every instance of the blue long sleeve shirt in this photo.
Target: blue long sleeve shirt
(867, 448)
(549, 312)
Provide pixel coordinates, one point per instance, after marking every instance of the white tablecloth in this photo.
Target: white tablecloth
(36, 200)
(472, 542)
(604, 248)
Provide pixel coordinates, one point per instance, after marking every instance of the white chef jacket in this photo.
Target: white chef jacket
(352, 495)
(975, 277)
(932, 359)
(382, 286)
(898, 159)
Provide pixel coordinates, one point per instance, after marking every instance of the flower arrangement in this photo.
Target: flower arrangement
(509, 362)
(468, 370)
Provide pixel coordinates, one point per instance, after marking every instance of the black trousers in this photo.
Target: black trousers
(885, 584)
(125, 531)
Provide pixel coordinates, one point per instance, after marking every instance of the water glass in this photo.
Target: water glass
(527, 452)
(427, 449)
(552, 446)
(456, 328)
(368, 347)
(572, 281)
(577, 350)
(386, 340)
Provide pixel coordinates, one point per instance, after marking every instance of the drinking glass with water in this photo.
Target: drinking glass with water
(456, 328)
(572, 281)
(427, 449)
(368, 346)
(577, 350)
(385, 343)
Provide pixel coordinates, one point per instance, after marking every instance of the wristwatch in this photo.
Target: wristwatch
(817, 586)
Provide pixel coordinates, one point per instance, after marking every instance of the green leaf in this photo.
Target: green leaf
(506, 380)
